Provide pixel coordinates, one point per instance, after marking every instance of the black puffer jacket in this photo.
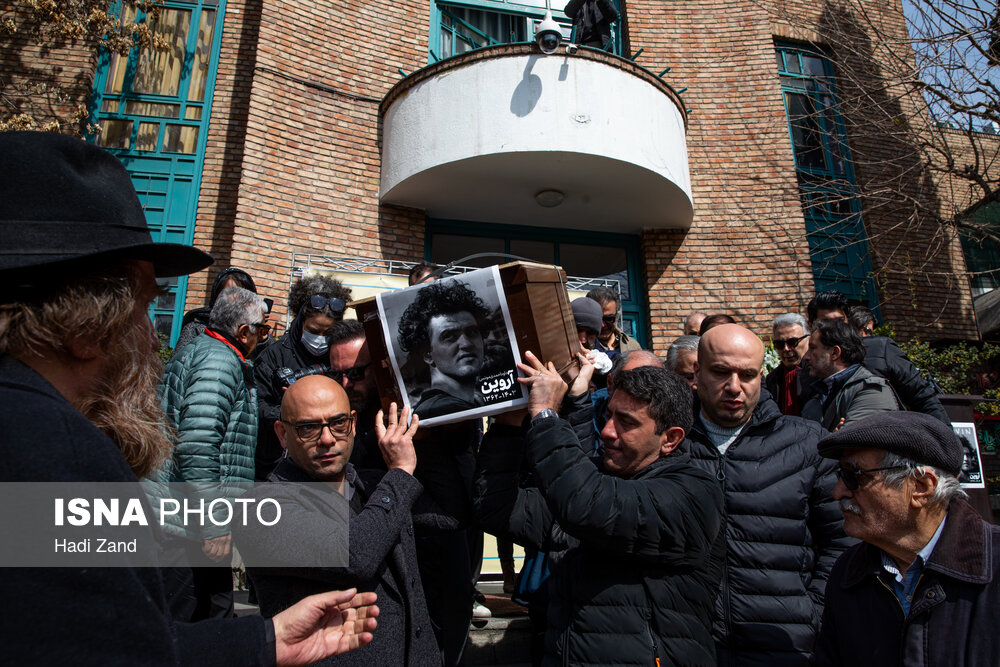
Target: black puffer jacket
(641, 557)
(783, 531)
(286, 352)
(883, 357)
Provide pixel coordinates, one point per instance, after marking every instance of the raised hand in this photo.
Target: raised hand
(322, 625)
(581, 384)
(546, 387)
(396, 440)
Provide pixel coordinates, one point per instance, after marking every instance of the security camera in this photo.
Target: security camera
(548, 35)
(571, 49)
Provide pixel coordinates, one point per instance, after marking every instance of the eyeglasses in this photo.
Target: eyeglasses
(610, 319)
(355, 374)
(852, 476)
(313, 431)
(781, 343)
(262, 329)
(320, 302)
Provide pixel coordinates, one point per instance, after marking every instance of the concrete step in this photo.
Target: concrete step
(503, 639)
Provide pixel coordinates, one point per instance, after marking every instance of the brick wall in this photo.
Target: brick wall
(224, 150)
(44, 78)
(918, 263)
(292, 164)
(745, 253)
(310, 170)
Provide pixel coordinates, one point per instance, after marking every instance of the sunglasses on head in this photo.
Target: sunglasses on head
(781, 343)
(320, 302)
(852, 476)
(355, 374)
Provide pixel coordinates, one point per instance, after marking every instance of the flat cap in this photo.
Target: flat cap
(912, 435)
(587, 313)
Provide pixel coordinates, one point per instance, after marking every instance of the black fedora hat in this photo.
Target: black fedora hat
(67, 205)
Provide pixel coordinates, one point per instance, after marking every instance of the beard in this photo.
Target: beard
(124, 404)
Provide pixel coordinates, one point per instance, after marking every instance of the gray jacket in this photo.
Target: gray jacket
(853, 397)
(381, 552)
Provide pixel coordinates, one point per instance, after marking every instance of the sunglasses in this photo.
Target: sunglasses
(313, 431)
(355, 374)
(852, 476)
(781, 343)
(609, 319)
(320, 302)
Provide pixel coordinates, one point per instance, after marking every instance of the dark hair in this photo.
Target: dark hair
(419, 271)
(346, 330)
(861, 317)
(306, 286)
(437, 298)
(841, 334)
(714, 321)
(238, 276)
(667, 395)
(830, 299)
(604, 296)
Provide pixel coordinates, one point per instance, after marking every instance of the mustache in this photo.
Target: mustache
(847, 506)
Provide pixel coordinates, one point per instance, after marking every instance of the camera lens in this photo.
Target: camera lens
(548, 42)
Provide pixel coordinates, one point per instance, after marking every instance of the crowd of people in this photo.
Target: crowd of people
(686, 510)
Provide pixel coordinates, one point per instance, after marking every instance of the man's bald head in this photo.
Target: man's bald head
(311, 401)
(728, 338)
(728, 374)
(692, 324)
(309, 390)
(631, 360)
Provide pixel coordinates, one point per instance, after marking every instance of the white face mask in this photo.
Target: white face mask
(316, 344)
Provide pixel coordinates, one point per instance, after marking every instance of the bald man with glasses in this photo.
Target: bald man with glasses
(317, 428)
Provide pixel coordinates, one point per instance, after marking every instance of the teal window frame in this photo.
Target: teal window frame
(535, 14)
(982, 254)
(635, 307)
(168, 310)
(831, 202)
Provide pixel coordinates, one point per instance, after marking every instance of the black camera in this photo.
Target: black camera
(288, 376)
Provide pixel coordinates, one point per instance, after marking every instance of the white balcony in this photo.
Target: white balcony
(479, 136)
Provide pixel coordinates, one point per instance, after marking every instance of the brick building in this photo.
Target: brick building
(703, 159)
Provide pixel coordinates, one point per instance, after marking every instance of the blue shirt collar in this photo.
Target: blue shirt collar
(904, 584)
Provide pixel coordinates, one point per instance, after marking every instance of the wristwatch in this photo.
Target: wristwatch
(547, 413)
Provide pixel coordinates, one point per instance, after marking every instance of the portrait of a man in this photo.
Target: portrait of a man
(451, 345)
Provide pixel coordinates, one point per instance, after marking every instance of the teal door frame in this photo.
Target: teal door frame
(168, 183)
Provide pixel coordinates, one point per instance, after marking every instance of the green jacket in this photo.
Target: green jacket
(210, 401)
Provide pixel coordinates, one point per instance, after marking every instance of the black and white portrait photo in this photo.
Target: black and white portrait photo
(452, 347)
(972, 468)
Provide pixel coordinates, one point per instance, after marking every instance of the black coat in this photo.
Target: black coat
(592, 19)
(93, 616)
(954, 613)
(883, 357)
(783, 531)
(640, 558)
(803, 386)
(286, 352)
(381, 556)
